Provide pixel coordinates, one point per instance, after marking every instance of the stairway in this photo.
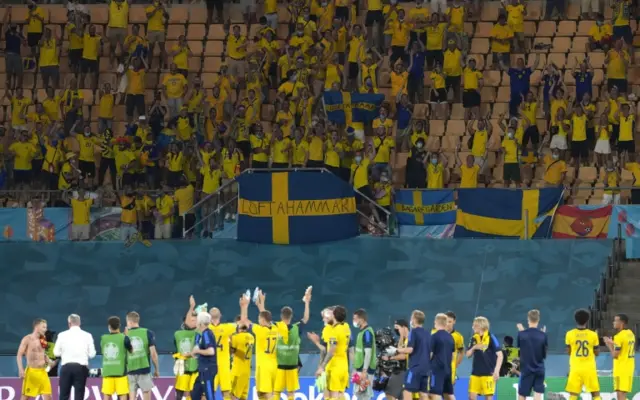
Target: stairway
(623, 297)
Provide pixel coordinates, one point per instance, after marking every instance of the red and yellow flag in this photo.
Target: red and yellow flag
(576, 222)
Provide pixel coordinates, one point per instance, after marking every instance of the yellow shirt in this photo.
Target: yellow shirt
(266, 338)
(231, 163)
(383, 193)
(49, 53)
(122, 158)
(184, 198)
(622, 13)
(579, 128)
(374, 5)
(400, 33)
(456, 19)
(418, 16)
(91, 46)
(165, 204)
(118, 14)
(451, 65)
(62, 182)
(106, 106)
(435, 36)
(333, 75)
(19, 110)
(136, 81)
(624, 365)
(87, 148)
(331, 155)
(557, 104)
(471, 78)
(233, 47)
(399, 82)
(438, 80)
(383, 149)
(81, 211)
(280, 151)
(316, 151)
(340, 338)
(604, 132)
(469, 176)
(613, 110)
(515, 17)
(530, 110)
(501, 33)
(129, 214)
(634, 168)
(435, 176)
(75, 41)
(223, 333)
(260, 143)
(156, 22)
(480, 139)
(184, 128)
(510, 147)
(24, 153)
(582, 344)
(175, 84)
(626, 128)
(598, 33)
(370, 72)
(52, 157)
(270, 6)
(52, 107)
(181, 59)
(242, 345)
(554, 169)
(356, 49)
(35, 25)
(360, 173)
(616, 68)
(299, 151)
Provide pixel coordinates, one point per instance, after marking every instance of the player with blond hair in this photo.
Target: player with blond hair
(487, 359)
(442, 349)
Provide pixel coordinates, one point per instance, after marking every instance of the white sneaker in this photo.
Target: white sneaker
(227, 216)
(233, 217)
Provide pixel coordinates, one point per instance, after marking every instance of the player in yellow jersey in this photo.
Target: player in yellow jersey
(582, 347)
(623, 351)
(242, 344)
(336, 362)
(266, 334)
(322, 340)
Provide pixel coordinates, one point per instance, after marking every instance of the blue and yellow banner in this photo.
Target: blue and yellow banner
(490, 213)
(425, 207)
(345, 107)
(295, 208)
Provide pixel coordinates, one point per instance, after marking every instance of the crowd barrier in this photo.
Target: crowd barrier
(506, 389)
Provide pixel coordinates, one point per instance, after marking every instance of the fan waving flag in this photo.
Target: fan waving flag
(425, 207)
(345, 107)
(492, 213)
(295, 208)
(583, 221)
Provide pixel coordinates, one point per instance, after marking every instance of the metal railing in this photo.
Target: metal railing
(222, 204)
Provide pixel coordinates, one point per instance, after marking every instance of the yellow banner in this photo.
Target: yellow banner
(297, 208)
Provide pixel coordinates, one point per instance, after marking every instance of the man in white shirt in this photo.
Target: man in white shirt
(74, 347)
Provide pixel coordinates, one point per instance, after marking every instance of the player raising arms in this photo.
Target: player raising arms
(458, 341)
(322, 341)
(582, 346)
(266, 334)
(487, 359)
(36, 381)
(442, 351)
(242, 344)
(623, 351)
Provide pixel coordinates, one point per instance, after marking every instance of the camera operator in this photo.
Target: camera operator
(395, 384)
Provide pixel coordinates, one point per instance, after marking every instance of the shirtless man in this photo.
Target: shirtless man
(36, 380)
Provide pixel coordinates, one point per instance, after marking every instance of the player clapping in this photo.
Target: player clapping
(487, 359)
(623, 349)
(582, 346)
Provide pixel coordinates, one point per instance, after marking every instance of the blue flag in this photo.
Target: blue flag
(491, 213)
(295, 208)
(345, 107)
(425, 207)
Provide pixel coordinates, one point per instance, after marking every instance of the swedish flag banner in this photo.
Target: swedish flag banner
(345, 107)
(425, 207)
(505, 212)
(295, 208)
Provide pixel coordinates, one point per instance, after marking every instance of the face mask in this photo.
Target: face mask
(556, 156)
(419, 145)
(384, 179)
(383, 117)
(394, 2)
(434, 161)
(510, 134)
(400, 19)
(370, 85)
(87, 134)
(323, 5)
(599, 23)
(355, 324)
(300, 33)
(358, 159)
(609, 169)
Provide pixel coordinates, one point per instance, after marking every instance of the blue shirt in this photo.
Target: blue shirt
(151, 340)
(13, 41)
(484, 361)
(442, 347)
(417, 70)
(206, 340)
(583, 83)
(519, 80)
(403, 116)
(533, 350)
(419, 341)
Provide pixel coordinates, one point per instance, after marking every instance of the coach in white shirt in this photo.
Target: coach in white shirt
(74, 347)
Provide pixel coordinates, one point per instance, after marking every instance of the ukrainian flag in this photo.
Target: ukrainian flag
(345, 107)
(295, 208)
(425, 207)
(502, 212)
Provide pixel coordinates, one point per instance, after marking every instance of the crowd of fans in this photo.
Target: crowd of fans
(185, 140)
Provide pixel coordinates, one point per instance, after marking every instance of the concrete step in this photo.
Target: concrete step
(621, 297)
(607, 316)
(628, 270)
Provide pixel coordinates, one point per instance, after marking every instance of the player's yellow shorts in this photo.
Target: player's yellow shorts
(36, 382)
(482, 385)
(266, 377)
(185, 382)
(240, 384)
(223, 379)
(287, 380)
(115, 385)
(579, 379)
(337, 378)
(622, 384)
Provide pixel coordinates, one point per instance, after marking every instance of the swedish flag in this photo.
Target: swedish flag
(503, 212)
(295, 208)
(425, 207)
(345, 107)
